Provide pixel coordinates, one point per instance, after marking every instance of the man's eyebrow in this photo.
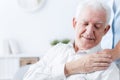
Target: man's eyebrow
(100, 22)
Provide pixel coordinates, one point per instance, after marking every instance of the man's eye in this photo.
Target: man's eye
(85, 24)
(97, 26)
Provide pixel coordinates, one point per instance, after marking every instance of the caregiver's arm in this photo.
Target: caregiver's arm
(115, 52)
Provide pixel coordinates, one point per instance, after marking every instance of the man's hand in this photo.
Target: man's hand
(88, 63)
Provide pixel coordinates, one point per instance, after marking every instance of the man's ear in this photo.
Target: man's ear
(106, 29)
(74, 22)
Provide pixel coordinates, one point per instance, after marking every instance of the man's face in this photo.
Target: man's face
(89, 28)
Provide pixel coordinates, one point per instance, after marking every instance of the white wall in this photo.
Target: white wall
(34, 31)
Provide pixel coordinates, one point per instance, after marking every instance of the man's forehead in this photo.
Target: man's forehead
(97, 22)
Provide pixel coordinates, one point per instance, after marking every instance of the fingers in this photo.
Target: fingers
(113, 52)
(102, 55)
(93, 62)
(99, 68)
(96, 67)
(100, 65)
(98, 62)
(102, 60)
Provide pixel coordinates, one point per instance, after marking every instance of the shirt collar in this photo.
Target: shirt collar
(93, 50)
(89, 51)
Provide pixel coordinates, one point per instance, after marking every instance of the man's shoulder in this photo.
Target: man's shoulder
(59, 49)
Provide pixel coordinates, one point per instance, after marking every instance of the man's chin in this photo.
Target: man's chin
(88, 44)
(85, 47)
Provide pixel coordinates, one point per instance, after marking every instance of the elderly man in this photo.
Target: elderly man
(64, 61)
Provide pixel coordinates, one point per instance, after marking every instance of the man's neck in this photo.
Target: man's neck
(91, 50)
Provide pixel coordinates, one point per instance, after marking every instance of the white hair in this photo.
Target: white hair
(95, 4)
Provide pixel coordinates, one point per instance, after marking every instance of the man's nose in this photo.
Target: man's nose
(90, 29)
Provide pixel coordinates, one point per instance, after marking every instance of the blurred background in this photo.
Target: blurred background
(27, 28)
(34, 30)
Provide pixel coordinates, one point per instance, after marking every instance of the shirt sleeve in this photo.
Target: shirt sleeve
(45, 69)
(58, 72)
(42, 72)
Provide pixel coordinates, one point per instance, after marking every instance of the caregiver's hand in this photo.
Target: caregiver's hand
(115, 53)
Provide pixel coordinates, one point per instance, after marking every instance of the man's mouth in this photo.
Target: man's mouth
(88, 37)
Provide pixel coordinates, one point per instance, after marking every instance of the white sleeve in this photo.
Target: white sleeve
(112, 73)
(42, 70)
